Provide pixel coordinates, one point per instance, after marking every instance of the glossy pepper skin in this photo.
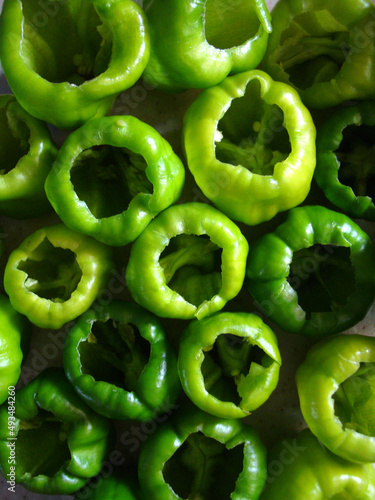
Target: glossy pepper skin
(59, 442)
(14, 337)
(345, 160)
(204, 42)
(111, 487)
(313, 275)
(120, 361)
(250, 145)
(188, 280)
(197, 455)
(309, 470)
(112, 177)
(27, 154)
(325, 49)
(336, 384)
(232, 337)
(75, 56)
(55, 275)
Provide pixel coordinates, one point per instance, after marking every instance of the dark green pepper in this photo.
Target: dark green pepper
(14, 336)
(188, 262)
(112, 177)
(314, 275)
(301, 468)
(204, 41)
(250, 144)
(196, 455)
(67, 61)
(120, 361)
(336, 387)
(55, 442)
(55, 275)
(27, 153)
(324, 48)
(235, 354)
(117, 486)
(345, 160)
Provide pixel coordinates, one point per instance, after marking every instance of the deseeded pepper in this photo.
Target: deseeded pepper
(205, 41)
(55, 275)
(27, 153)
(229, 355)
(67, 61)
(197, 455)
(345, 168)
(250, 144)
(336, 384)
(120, 361)
(112, 177)
(56, 441)
(313, 275)
(188, 262)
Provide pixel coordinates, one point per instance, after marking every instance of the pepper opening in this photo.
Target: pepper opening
(53, 273)
(356, 155)
(64, 44)
(114, 352)
(354, 401)
(230, 24)
(107, 178)
(192, 267)
(203, 468)
(227, 362)
(41, 445)
(313, 48)
(14, 140)
(322, 276)
(251, 133)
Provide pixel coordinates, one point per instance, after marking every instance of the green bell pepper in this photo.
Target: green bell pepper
(235, 354)
(250, 144)
(112, 176)
(117, 486)
(119, 360)
(27, 153)
(188, 262)
(55, 275)
(325, 49)
(67, 61)
(336, 387)
(197, 455)
(345, 160)
(55, 442)
(314, 275)
(204, 41)
(15, 332)
(302, 468)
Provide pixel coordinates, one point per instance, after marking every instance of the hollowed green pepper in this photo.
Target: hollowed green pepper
(112, 176)
(250, 144)
(188, 262)
(301, 468)
(229, 363)
(346, 158)
(55, 442)
(56, 274)
(314, 274)
(205, 40)
(66, 61)
(197, 455)
(325, 49)
(120, 361)
(14, 336)
(27, 153)
(336, 388)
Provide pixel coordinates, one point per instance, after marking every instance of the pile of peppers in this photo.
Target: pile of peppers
(164, 280)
